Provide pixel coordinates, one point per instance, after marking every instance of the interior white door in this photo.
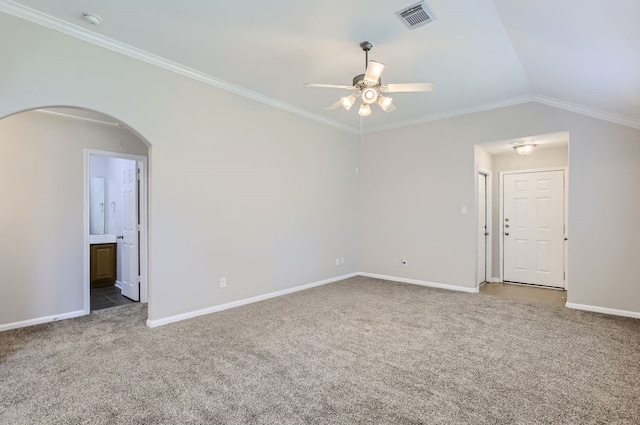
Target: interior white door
(533, 228)
(130, 286)
(482, 228)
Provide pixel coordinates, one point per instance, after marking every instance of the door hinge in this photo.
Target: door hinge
(138, 227)
(138, 278)
(564, 276)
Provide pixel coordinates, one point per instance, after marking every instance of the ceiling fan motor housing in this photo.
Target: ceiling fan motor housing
(360, 84)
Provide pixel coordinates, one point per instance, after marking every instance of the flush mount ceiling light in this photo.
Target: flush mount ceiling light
(369, 87)
(93, 19)
(524, 148)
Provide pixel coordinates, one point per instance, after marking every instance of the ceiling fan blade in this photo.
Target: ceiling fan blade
(374, 71)
(330, 86)
(334, 106)
(406, 87)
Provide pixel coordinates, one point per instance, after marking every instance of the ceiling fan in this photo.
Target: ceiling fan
(370, 88)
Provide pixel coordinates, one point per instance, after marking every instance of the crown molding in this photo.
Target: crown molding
(37, 17)
(81, 33)
(455, 113)
(585, 110)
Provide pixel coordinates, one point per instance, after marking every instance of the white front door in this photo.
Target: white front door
(482, 228)
(130, 286)
(533, 228)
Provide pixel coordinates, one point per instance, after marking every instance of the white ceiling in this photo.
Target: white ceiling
(581, 55)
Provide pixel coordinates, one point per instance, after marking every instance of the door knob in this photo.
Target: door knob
(506, 219)
(506, 225)
(506, 233)
(487, 234)
(566, 238)
(120, 237)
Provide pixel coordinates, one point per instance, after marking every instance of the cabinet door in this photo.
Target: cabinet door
(103, 264)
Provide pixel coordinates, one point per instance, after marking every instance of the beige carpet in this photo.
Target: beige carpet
(360, 351)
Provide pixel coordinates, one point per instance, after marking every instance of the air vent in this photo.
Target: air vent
(415, 15)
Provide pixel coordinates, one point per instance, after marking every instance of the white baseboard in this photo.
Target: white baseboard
(604, 310)
(495, 280)
(40, 320)
(216, 308)
(118, 284)
(421, 282)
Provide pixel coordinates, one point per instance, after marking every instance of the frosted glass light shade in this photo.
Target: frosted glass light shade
(348, 101)
(384, 102)
(365, 110)
(524, 150)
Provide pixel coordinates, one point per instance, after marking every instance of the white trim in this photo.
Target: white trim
(40, 18)
(233, 304)
(604, 310)
(421, 283)
(455, 113)
(84, 34)
(585, 110)
(76, 117)
(40, 320)
(495, 280)
(144, 225)
(488, 267)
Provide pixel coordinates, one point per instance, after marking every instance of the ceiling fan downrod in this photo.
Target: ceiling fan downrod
(366, 46)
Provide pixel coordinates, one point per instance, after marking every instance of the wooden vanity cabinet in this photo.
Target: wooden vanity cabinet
(103, 265)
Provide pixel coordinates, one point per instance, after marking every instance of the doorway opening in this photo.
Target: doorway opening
(116, 209)
(529, 244)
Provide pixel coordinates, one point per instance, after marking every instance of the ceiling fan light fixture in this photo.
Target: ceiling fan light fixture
(365, 110)
(369, 95)
(384, 102)
(348, 101)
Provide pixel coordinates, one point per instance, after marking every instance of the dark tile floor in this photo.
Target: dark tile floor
(108, 296)
(516, 291)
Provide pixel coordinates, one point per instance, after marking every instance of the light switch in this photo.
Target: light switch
(463, 210)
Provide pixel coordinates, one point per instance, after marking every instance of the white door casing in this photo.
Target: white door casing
(130, 287)
(533, 228)
(142, 256)
(482, 228)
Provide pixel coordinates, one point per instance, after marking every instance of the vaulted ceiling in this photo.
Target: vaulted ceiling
(580, 55)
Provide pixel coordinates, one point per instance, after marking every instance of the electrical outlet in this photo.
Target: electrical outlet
(405, 263)
(341, 260)
(337, 261)
(223, 282)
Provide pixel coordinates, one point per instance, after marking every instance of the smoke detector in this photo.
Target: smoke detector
(91, 18)
(415, 15)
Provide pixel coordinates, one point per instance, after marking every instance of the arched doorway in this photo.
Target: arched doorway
(43, 169)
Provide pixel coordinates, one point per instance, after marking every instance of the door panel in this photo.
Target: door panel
(533, 228)
(482, 228)
(130, 285)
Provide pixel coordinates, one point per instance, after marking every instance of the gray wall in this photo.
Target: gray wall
(41, 220)
(416, 179)
(237, 189)
(269, 199)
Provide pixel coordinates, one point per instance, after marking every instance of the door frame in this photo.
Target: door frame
(489, 219)
(565, 214)
(143, 212)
